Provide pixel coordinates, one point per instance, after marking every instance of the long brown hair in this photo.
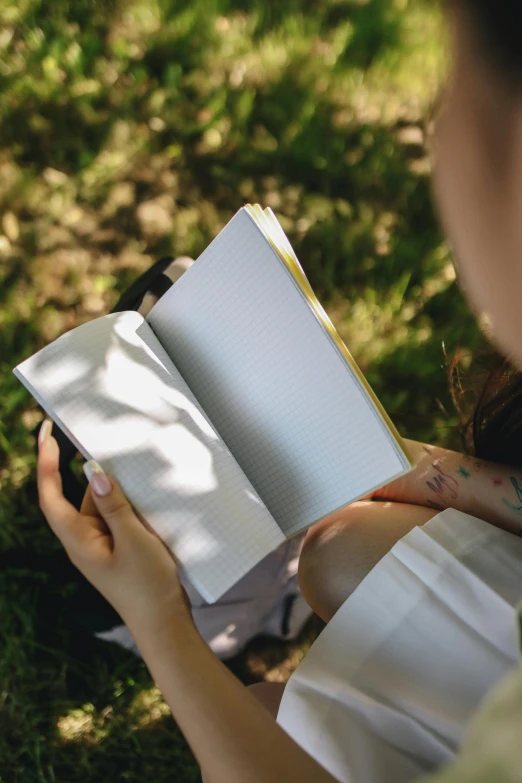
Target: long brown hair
(498, 26)
(490, 409)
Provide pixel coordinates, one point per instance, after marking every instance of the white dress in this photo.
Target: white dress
(386, 691)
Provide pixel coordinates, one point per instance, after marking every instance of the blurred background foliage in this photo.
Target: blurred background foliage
(130, 129)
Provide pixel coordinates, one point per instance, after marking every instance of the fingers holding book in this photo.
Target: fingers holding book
(61, 515)
(111, 546)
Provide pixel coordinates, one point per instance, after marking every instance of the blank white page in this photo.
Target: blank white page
(272, 381)
(112, 388)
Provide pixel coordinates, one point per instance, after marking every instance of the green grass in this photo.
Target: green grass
(129, 130)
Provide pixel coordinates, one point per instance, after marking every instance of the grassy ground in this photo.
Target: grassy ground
(133, 129)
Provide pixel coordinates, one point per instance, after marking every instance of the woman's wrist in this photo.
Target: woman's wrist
(434, 481)
(412, 488)
(445, 479)
(161, 647)
(441, 479)
(160, 629)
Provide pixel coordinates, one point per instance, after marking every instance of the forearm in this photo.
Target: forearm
(234, 739)
(446, 479)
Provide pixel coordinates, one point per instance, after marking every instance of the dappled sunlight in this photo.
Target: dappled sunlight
(193, 472)
(147, 707)
(377, 322)
(64, 370)
(270, 661)
(279, 672)
(135, 386)
(78, 724)
(91, 726)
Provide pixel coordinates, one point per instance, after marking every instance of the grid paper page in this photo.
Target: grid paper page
(111, 385)
(271, 380)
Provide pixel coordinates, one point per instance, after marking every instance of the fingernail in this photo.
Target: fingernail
(45, 431)
(97, 478)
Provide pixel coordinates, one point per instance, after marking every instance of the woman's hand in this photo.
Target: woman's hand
(123, 558)
(446, 479)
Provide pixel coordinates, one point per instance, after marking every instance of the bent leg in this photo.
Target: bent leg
(342, 549)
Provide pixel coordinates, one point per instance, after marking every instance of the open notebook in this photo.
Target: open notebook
(233, 416)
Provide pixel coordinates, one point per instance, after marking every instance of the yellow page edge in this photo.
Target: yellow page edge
(270, 227)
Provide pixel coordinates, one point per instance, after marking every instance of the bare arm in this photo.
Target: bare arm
(233, 737)
(446, 479)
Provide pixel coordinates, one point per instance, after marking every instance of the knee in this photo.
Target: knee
(342, 549)
(330, 567)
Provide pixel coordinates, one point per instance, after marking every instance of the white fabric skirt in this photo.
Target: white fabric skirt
(386, 691)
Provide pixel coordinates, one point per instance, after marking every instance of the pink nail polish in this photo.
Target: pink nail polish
(97, 478)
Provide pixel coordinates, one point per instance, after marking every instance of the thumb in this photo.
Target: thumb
(110, 502)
